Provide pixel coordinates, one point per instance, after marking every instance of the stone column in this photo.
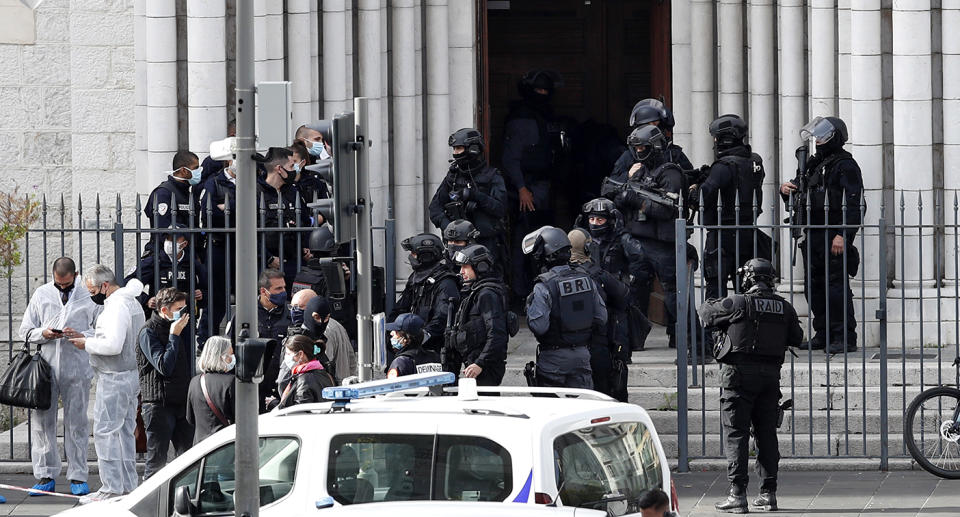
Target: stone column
(369, 54)
(206, 66)
(334, 61)
(793, 111)
(730, 29)
(299, 60)
(314, 44)
(161, 54)
(463, 76)
(763, 101)
(823, 53)
(703, 95)
(407, 180)
(950, 48)
(844, 71)
(912, 132)
(437, 93)
(681, 57)
(140, 93)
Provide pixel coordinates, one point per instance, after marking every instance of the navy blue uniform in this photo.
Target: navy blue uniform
(147, 272)
(283, 209)
(173, 195)
(218, 197)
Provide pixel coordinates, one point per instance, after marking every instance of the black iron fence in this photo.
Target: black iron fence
(903, 265)
(121, 236)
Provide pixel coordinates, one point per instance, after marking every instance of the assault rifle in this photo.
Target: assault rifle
(797, 207)
(644, 190)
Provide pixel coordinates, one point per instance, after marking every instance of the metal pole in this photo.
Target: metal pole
(247, 493)
(681, 331)
(364, 244)
(882, 319)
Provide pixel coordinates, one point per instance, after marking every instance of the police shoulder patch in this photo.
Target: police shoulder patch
(574, 286)
(162, 208)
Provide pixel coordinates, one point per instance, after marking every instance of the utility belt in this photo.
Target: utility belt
(542, 347)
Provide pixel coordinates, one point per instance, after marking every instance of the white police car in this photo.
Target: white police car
(569, 447)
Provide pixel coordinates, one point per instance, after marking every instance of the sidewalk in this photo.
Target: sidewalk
(831, 493)
(22, 504)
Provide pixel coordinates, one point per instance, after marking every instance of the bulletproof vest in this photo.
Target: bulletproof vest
(427, 361)
(611, 258)
(759, 332)
(572, 307)
(425, 292)
(641, 226)
(747, 187)
(819, 187)
(470, 331)
(166, 390)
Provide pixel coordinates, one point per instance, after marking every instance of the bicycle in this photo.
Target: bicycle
(934, 418)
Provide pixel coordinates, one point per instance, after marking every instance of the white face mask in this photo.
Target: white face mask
(168, 248)
(289, 361)
(231, 362)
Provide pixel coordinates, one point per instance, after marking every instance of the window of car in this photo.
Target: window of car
(617, 460)
(364, 468)
(211, 480)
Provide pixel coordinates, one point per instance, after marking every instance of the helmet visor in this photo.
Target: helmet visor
(820, 129)
(530, 241)
(460, 258)
(595, 206)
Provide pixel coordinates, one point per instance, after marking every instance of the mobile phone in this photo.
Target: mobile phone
(56, 331)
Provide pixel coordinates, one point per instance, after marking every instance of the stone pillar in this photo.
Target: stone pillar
(334, 60)
(314, 44)
(823, 54)
(703, 95)
(763, 101)
(206, 66)
(274, 40)
(950, 48)
(407, 180)
(844, 37)
(299, 70)
(369, 54)
(793, 111)
(730, 29)
(463, 76)
(681, 57)
(161, 54)
(140, 92)
(912, 133)
(437, 94)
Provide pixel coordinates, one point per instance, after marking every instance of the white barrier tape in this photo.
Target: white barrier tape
(35, 491)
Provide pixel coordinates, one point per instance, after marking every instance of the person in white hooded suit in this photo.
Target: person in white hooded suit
(57, 306)
(112, 349)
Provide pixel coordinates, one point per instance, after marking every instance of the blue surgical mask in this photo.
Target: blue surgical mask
(318, 150)
(296, 315)
(177, 314)
(297, 168)
(195, 175)
(278, 298)
(395, 343)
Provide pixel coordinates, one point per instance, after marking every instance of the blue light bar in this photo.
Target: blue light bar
(369, 389)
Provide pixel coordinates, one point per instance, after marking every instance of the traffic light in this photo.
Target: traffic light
(340, 172)
(250, 353)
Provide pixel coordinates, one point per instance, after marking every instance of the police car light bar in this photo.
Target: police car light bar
(372, 388)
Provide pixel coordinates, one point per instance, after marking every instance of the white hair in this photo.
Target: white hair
(211, 359)
(99, 274)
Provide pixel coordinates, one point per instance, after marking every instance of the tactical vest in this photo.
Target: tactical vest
(572, 307)
(642, 226)
(470, 331)
(165, 390)
(426, 361)
(425, 292)
(759, 332)
(747, 189)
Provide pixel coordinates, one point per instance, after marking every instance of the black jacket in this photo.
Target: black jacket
(646, 220)
(673, 154)
(220, 388)
(480, 328)
(836, 176)
(738, 173)
(307, 387)
(165, 374)
(485, 205)
(272, 324)
(280, 210)
(426, 295)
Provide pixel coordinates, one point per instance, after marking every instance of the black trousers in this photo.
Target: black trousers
(750, 397)
(164, 425)
(659, 259)
(828, 291)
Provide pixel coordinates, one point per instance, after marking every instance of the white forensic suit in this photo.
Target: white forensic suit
(70, 377)
(112, 348)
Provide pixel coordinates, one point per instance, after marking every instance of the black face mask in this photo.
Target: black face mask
(98, 298)
(291, 177)
(599, 229)
(65, 289)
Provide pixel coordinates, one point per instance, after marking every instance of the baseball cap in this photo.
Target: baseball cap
(409, 323)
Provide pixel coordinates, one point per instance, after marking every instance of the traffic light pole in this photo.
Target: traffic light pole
(247, 493)
(364, 243)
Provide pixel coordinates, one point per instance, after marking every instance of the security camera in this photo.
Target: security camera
(224, 149)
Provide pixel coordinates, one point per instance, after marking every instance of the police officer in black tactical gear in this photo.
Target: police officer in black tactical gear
(472, 190)
(533, 150)
(429, 288)
(752, 333)
(458, 235)
(610, 352)
(731, 186)
(565, 312)
(649, 201)
(618, 253)
(651, 112)
(831, 175)
(476, 345)
(328, 279)
(283, 207)
(176, 201)
(218, 209)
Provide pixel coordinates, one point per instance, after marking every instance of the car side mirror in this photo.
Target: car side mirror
(182, 504)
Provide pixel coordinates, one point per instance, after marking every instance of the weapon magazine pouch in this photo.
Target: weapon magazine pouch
(26, 382)
(513, 323)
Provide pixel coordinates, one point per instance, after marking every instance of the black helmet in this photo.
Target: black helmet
(549, 246)
(757, 272)
(546, 79)
(321, 240)
(461, 230)
(647, 111)
(428, 248)
(602, 207)
(478, 257)
(728, 131)
(648, 137)
(472, 140)
(830, 133)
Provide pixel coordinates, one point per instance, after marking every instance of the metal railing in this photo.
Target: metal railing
(849, 404)
(117, 237)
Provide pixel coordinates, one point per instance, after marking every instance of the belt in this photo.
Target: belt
(557, 347)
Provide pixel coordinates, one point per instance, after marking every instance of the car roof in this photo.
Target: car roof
(458, 508)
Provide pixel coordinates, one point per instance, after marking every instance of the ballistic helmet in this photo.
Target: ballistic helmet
(321, 240)
(647, 111)
(648, 137)
(472, 140)
(728, 131)
(476, 256)
(549, 246)
(427, 247)
(757, 272)
(825, 130)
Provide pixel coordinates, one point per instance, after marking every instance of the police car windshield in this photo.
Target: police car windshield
(607, 461)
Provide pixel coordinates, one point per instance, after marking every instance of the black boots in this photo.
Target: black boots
(766, 501)
(736, 502)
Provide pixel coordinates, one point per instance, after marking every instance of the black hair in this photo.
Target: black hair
(275, 156)
(64, 266)
(655, 498)
(184, 158)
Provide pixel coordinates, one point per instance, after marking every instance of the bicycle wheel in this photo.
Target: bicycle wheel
(931, 432)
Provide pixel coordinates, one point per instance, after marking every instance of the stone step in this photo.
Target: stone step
(652, 398)
(799, 421)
